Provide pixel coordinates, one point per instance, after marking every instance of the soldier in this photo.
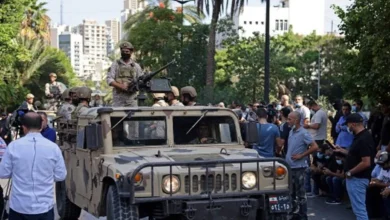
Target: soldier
(172, 97)
(53, 91)
(67, 108)
(159, 100)
(74, 96)
(204, 135)
(188, 96)
(84, 95)
(124, 72)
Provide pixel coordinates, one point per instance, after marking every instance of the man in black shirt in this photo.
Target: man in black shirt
(358, 164)
(334, 178)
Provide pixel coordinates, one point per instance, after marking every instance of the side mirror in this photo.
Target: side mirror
(224, 130)
(94, 136)
(251, 132)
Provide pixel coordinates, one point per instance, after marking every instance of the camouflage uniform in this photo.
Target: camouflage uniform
(82, 93)
(56, 89)
(299, 194)
(126, 73)
(175, 92)
(66, 108)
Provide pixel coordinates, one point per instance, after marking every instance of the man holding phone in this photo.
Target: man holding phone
(358, 164)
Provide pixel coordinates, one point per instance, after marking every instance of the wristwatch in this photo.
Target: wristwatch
(348, 174)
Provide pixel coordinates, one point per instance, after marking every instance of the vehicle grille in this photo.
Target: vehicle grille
(214, 182)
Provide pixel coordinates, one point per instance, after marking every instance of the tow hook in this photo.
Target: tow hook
(190, 213)
(245, 209)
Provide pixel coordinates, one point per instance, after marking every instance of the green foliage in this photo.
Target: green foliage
(365, 25)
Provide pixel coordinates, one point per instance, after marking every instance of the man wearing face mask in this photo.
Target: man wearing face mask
(321, 160)
(345, 137)
(357, 108)
(123, 73)
(358, 164)
(302, 110)
(383, 180)
(334, 178)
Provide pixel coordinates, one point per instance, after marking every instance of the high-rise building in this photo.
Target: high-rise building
(134, 5)
(95, 44)
(72, 45)
(114, 29)
(55, 32)
(124, 16)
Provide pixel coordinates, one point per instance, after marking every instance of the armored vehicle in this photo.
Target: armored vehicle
(167, 163)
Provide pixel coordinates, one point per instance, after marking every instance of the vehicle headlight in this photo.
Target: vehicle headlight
(166, 184)
(249, 180)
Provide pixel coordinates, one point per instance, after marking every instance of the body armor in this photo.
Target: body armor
(126, 73)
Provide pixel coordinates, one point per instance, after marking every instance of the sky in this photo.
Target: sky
(100, 10)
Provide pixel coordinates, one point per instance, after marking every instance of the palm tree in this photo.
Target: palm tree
(191, 14)
(35, 23)
(37, 56)
(217, 8)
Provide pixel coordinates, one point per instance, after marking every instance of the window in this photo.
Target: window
(210, 130)
(244, 22)
(250, 22)
(257, 22)
(262, 23)
(139, 132)
(277, 25)
(285, 25)
(281, 25)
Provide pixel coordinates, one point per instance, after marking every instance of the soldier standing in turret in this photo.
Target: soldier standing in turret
(84, 95)
(53, 91)
(172, 97)
(67, 108)
(124, 72)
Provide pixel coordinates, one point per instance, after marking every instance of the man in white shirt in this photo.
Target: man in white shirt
(34, 163)
(303, 110)
(318, 124)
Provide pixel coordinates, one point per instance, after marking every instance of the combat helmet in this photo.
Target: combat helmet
(189, 90)
(53, 74)
(66, 94)
(84, 93)
(158, 96)
(175, 91)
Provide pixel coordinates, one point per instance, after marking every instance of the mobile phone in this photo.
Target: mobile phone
(330, 144)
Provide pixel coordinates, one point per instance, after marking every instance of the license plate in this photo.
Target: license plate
(280, 203)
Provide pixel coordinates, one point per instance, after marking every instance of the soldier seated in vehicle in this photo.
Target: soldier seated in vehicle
(119, 136)
(204, 136)
(84, 95)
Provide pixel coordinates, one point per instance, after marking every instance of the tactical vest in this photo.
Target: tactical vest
(125, 73)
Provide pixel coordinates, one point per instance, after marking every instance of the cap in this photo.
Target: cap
(354, 118)
(175, 91)
(52, 74)
(126, 45)
(29, 96)
(189, 90)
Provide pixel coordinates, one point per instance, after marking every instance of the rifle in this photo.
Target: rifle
(146, 83)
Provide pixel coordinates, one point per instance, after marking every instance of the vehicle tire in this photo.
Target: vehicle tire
(119, 208)
(66, 209)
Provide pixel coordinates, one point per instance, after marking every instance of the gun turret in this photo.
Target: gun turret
(146, 83)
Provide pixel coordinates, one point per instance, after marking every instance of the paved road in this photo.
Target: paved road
(317, 210)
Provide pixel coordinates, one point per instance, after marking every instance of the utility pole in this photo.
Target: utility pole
(319, 74)
(266, 53)
(62, 12)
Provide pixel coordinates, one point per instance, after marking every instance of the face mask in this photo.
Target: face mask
(354, 109)
(327, 157)
(339, 162)
(375, 160)
(320, 155)
(298, 105)
(125, 56)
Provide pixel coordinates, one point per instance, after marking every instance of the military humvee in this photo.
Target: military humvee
(167, 163)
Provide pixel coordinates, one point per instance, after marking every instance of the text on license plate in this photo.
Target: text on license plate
(279, 203)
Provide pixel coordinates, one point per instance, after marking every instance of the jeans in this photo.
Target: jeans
(308, 182)
(357, 188)
(335, 185)
(298, 194)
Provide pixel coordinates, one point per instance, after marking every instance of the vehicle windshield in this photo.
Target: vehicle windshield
(209, 130)
(139, 132)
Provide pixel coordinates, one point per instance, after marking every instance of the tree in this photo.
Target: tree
(218, 6)
(365, 26)
(35, 23)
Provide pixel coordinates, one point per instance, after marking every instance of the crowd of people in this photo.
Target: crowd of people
(337, 163)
